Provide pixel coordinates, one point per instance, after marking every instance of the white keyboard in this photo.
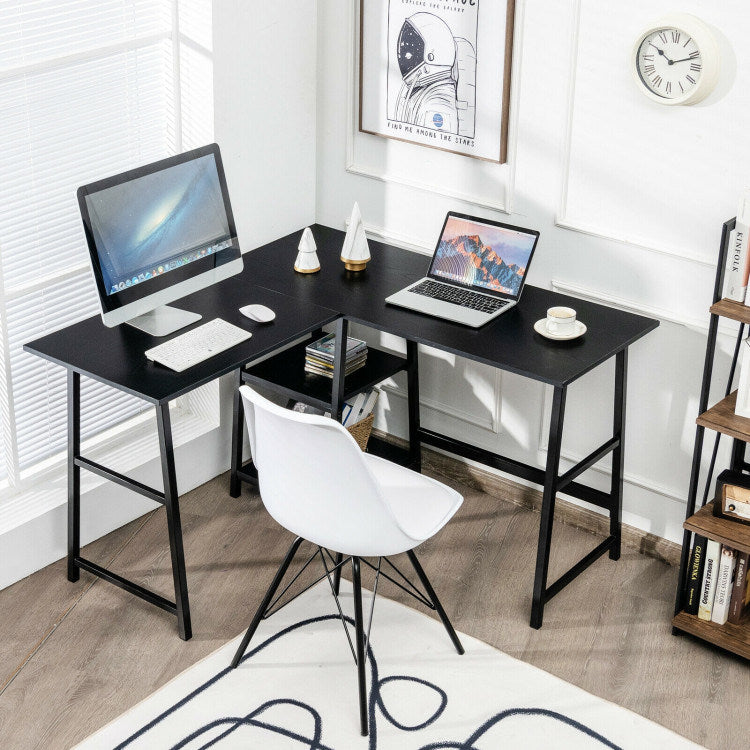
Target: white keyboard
(189, 348)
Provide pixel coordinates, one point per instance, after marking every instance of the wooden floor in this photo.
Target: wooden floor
(74, 656)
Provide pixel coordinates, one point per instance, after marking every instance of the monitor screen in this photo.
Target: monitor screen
(483, 254)
(158, 225)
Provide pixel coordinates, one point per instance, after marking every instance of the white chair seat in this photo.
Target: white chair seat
(420, 505)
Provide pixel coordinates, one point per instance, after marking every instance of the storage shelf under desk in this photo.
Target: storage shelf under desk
(285, 374)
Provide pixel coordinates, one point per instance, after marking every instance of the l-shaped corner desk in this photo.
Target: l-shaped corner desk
(304, 303)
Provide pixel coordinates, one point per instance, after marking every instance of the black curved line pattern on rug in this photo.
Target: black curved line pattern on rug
(497, 718)
(236, 722)
(375, 700)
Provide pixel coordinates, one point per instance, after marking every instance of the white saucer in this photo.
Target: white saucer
(541, 328)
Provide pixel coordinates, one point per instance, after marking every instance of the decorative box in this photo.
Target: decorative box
(732, 498)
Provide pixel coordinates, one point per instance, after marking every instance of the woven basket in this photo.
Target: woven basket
(361, 431)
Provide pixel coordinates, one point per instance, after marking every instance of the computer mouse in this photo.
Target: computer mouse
(258, 313)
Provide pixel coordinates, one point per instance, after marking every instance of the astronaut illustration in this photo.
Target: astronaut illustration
(438, 73)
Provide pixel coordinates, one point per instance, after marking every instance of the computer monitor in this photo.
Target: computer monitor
(158, 233)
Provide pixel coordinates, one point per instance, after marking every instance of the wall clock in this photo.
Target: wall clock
(676, 60)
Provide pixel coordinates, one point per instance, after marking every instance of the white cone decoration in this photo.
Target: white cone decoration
(307, 257)
(356, 251)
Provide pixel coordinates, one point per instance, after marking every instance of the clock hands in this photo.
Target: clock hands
(662, 53)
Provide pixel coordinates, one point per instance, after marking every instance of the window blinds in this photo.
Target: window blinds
(88, 88)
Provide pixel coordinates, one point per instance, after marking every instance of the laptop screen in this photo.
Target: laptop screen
(483, 254)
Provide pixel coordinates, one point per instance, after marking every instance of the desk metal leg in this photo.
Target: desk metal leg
(238, 422)
(174, 525)
(618, 454)
(412, 379)
(339, 369)
(548, 507)
(74, 474)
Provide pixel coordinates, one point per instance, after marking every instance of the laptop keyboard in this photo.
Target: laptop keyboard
(457, 296)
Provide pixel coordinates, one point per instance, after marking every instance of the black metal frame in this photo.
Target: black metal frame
(553, 483)
(169, 498)
(549, 477)
(737, 461)
(360, 648)
(246, 472)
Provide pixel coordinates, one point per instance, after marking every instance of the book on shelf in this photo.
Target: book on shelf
(695, 574)
(708, 584)
(733, 288)
(738, 253)
(360, 407)
(724, 576)
(325, 348)
(327, 370)
(739, 602)
(319, 355)
(314, 359)
(741, 240)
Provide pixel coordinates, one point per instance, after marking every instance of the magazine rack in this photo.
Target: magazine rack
(721, 419)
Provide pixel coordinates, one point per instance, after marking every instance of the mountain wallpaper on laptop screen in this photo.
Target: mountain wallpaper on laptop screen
(465, 258)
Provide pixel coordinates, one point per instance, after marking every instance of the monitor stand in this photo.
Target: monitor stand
(164, 320)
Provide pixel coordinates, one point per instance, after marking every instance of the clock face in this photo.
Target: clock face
(669, 63)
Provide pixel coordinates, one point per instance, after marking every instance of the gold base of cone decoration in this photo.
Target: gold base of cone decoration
(354, 265)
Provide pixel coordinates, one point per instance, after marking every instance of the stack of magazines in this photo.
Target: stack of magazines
(319, 355)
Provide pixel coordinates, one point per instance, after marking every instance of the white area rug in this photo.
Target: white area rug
(297, 688)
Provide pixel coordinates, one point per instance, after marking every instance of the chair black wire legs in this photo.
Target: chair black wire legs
(436, 602)
(337, 575)
(359, 647)
(267, 600)
(359, 634)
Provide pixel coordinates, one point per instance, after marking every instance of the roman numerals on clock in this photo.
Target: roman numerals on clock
(676, 59)
(669, 63)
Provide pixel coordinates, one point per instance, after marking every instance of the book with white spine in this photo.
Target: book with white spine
(735, 264)
(741, 242)
(720, 610)
(708, 587)
(369, 404)
(352, 415)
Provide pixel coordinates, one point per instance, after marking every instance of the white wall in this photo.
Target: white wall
(264, 94)
(629, 196)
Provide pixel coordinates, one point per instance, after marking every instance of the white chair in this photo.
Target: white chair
(315, 481)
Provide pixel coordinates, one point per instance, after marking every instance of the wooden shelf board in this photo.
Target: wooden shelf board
(729, 308)
(721, 418)
(731, 533)
(734, 638)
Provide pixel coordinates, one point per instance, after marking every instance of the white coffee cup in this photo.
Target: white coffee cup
(561, 321)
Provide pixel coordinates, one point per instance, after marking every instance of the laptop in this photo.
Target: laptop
(477, 272)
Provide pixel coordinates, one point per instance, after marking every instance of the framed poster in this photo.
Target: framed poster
(437, 73)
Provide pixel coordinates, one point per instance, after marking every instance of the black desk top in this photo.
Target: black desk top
(509, 342)
(305, 302)
(116, 355)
